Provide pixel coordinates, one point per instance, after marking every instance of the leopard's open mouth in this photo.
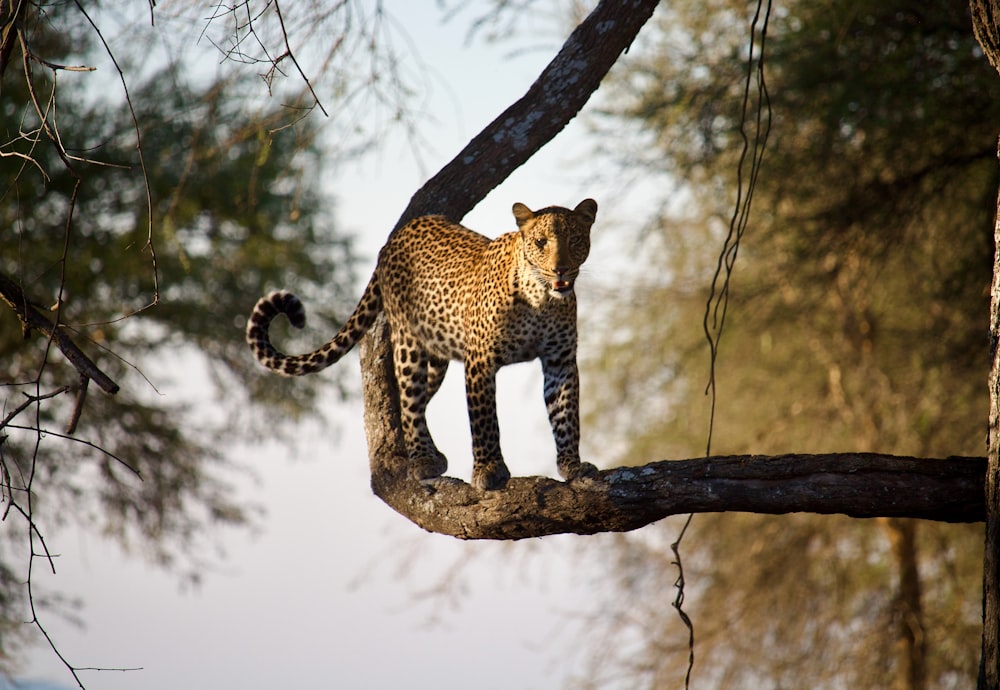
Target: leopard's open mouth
(562, 285)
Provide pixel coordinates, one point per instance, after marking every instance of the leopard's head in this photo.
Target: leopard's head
(556, 242)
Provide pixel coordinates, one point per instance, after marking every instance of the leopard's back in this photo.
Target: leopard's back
(428, 270)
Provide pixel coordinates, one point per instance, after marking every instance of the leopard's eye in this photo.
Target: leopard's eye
(541, 242)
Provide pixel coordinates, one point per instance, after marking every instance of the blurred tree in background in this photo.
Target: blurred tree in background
(856, 321)
(236, 208)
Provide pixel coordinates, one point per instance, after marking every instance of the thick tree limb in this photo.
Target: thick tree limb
(32, 318)
(626, 498)
(555, 98)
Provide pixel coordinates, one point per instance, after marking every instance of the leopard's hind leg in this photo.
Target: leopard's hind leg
(418, 377)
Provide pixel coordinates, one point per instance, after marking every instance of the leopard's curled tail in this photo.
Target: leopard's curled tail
(284, 302)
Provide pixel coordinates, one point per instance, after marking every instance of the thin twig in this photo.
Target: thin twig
(142, 162)
(89, 444)
(289, 54)
(31, 400)
(65, 68)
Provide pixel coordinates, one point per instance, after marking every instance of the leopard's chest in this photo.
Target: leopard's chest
(525, 332)
(467, 297)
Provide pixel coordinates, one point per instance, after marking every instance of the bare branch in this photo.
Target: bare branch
(142, 160)
(41, 431)
(28, 402)
(32, 318)
(291, 56)
(60, 67)
(559, 93)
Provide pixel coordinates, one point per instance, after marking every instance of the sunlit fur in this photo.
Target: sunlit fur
(452, 294)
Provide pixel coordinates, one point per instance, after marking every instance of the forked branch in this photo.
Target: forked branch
(624, 498)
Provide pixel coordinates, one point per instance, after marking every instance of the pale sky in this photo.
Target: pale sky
(328, 593)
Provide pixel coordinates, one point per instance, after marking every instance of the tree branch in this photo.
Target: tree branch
(559, 93)
(32, 318)
(555, 98)
(624, 498)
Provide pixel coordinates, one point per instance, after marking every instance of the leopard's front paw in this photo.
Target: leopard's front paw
(574, 469)
(428, 466)
(490, 476)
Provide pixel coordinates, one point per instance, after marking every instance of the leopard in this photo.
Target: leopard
(452, 294)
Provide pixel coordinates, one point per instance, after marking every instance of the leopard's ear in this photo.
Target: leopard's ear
(522, 213)
(588, 209)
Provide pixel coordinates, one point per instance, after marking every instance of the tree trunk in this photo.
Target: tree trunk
(989, 673)
(986, 25)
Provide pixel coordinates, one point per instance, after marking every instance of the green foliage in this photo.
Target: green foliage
(856, 321)
(153, 232)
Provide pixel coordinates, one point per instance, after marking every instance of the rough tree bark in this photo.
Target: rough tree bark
(986, 24)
